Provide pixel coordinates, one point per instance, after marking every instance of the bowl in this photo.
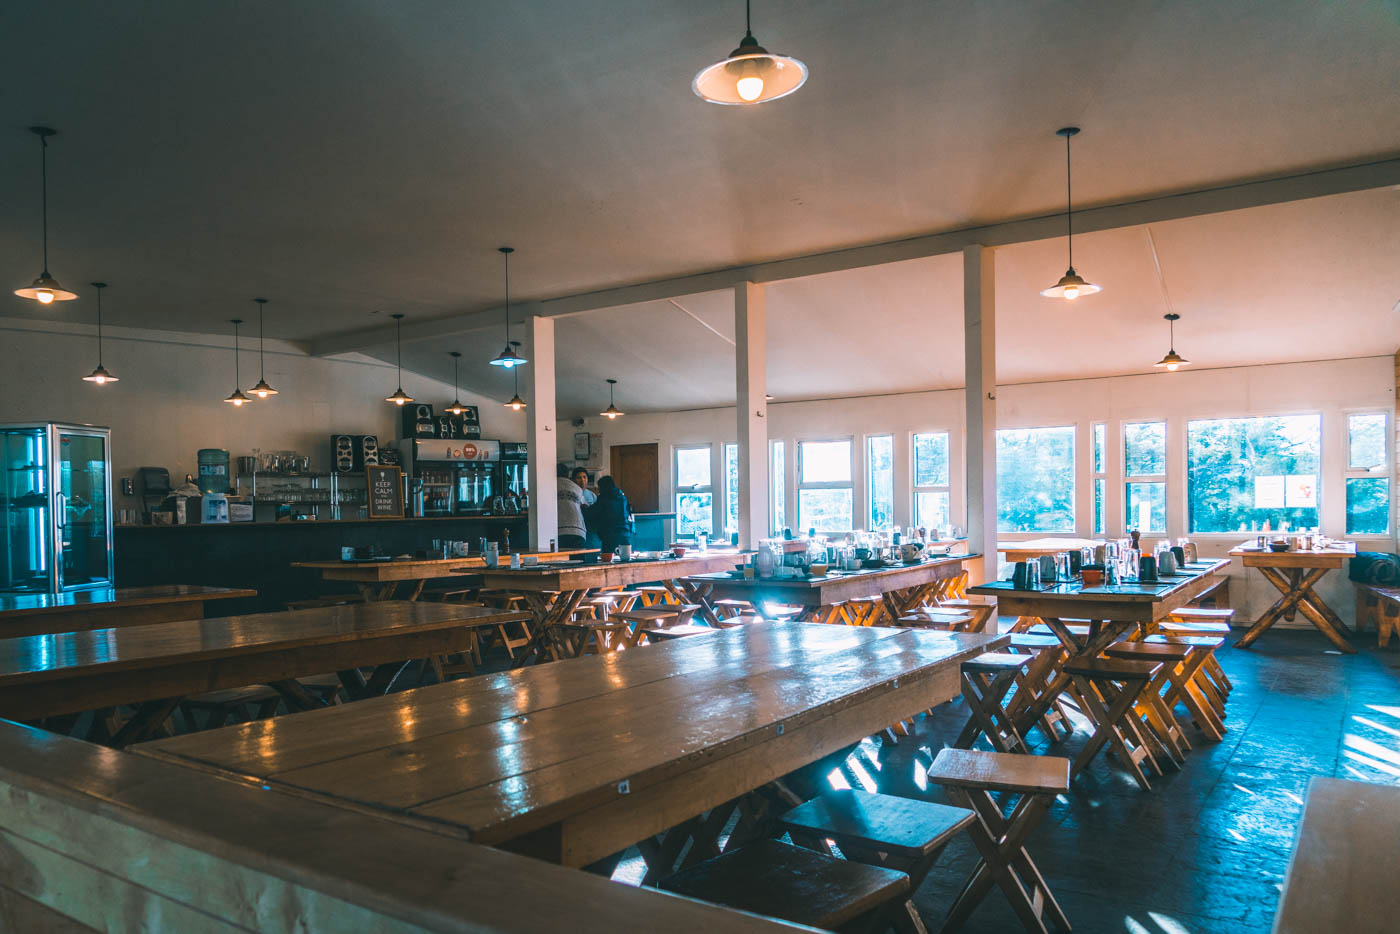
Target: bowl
(1278, 547)
(820, 570)
(678, 551)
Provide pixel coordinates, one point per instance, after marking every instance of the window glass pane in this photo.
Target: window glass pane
(1366, 441)
(1147, 506)
(1368, 505)
(731, 488)
(779, 488)
(1100, 487)
(693, 466)
(693, 514)
(1035, 479)
(1243, 472)
(931, 510)
(931, 459)
(1144, 449)
(824, 462)
(880, 470)
(825, 510)
(1098, 447)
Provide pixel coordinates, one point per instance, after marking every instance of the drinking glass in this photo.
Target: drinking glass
(1062, 566)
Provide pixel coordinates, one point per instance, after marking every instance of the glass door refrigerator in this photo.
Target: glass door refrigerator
(55, 507)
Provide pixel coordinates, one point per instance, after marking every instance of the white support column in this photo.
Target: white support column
(979, 350)
(751, 407)
(540, 434)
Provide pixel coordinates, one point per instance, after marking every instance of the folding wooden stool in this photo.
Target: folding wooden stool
(1110, 689)
(985, 681)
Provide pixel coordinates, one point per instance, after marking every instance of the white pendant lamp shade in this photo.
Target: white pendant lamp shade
(508, 358)
(45, 289)
(1173, 360)
(399, 398)
(612, 411)
(262, 390)
(750, 74)
(456, 408)
(100, 376)
(1071, 285)
(236, 398)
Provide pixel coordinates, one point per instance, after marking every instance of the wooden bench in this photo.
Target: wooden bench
(663, 633)
(1217, 595)
(904, 834)
(791, 883)
(1380, 606)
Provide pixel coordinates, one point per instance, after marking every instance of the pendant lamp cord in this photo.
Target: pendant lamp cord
(748, 18)
(507, 256)
(398, 340)
(44, 185)
(237, 375)
(260, 343)
(1069, 204)
(99, 329)
(454, 378)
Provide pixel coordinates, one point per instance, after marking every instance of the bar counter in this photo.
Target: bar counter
(260, 555)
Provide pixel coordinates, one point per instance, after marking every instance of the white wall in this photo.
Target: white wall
(1330, 388)
(168, 403)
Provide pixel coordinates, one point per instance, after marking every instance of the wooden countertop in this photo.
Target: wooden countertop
(84, 601)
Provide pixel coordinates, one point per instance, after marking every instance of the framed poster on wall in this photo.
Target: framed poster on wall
(385, 492)
(582, 447)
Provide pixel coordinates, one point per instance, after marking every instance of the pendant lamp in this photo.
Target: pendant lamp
(508, 358)
(456, 408)
(1172, 360)
(750, 74)
(516, 403)
(1071, 284)
(399, 397)
(45, 289)
(262, 390)
(611, 412)
(236, 397)
(100, 376)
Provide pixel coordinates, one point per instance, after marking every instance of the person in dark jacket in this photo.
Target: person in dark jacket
(611, 516)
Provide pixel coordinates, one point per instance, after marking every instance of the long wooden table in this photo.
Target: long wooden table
(1295, 574)
(156, 666)
(378, 580)
(576, 760)
(1111, 611)
(1342, 874)
(901, 588)
(554, 591)
(27, 614)
(92, 839)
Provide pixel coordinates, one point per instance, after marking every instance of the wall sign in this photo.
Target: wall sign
(385, 492)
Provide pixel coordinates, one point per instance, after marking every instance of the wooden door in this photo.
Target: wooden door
(636, 469)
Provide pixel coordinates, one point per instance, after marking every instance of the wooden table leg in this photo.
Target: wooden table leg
(1327, 622)
(1292, 593)
(353, 682)
(147, 719)
(417, 590)
(296, 696)
(698, 594)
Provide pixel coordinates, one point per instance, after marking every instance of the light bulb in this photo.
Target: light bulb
(611, 416)
(260, 394)
(44, 296)
(750, 87)
(1071, 292)
(100, 380)
(236, 402)
(1172, 367)
(398, 402)
(515, 406)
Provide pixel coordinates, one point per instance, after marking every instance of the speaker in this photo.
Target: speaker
(366, 451)
(342, 452)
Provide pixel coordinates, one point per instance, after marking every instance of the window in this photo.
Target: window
(1035, 479)
(1243, 473)
(1100, 479)
(694, 494)
(825, 494)
(1367, 477)
(931, 509)
(731, 489)
(879, 471)
(779, 488)
(1145, 476)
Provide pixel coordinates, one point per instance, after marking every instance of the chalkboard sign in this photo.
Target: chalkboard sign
(385, 492)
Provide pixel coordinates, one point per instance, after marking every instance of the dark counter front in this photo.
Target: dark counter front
(260, 555)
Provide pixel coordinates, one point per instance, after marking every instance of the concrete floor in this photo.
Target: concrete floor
(1207, 848)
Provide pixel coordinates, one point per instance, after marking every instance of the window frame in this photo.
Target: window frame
(1098, 478)
(1383, 471)
(870, 483)
(731, 494)
(849, 484)
(677, 490)
(1324, 494)
(777, 479)
(1130, 479)
(915, 488)
(1074, 429)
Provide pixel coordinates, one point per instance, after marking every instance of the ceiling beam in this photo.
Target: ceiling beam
(1232, 197)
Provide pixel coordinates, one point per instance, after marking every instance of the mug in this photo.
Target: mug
(624, 552)
(1021, 575)
(1047, 568)
(347, 552)
(491, 558)
(1179, 553)
(1147, 569)
(1166, 562)
(515, 561)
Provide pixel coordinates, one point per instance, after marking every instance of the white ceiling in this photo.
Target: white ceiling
(361, 157)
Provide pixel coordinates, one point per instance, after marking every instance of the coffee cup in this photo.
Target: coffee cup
(624, 552)
(1147, 569)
